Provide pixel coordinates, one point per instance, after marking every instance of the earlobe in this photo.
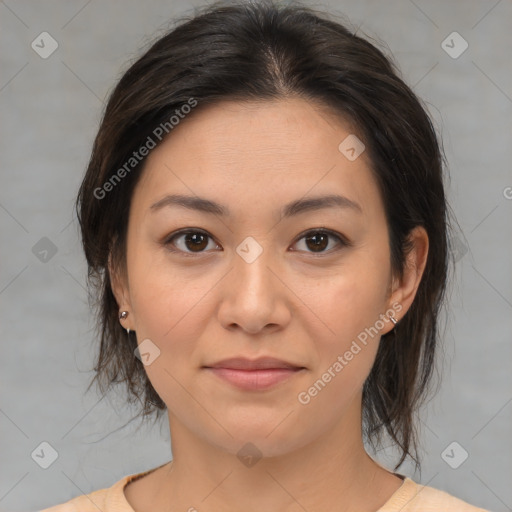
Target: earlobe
(119, 289)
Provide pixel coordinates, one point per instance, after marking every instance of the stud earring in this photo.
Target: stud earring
(393, 319)
(122, 316)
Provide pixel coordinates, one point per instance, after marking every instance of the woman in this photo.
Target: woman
(265, 221)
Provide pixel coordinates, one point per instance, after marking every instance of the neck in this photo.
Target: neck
(333, 472)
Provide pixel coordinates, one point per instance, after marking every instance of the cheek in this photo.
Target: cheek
(345, 358)
(351, 299)
(349, 307)
(164, 296)
(172, 307)
(171, 311)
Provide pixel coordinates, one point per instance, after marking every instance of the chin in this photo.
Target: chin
(275, 439)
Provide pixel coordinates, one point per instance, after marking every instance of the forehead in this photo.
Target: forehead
(257, 152)
(290, 127)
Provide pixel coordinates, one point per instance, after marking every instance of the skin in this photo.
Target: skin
(292, 303)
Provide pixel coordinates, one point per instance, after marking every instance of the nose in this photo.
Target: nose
(254, 297)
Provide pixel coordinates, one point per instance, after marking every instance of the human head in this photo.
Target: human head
(256, 52)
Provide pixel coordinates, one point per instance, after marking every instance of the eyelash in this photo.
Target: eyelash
(342, 241)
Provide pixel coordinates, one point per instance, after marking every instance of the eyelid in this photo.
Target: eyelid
(342, 240)
(167, 242)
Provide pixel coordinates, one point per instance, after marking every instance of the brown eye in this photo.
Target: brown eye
(189, 241)
(197, 241)
(317, 241)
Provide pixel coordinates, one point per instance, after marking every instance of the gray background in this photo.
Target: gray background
(50, 109)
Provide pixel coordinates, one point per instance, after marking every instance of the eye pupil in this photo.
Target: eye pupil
(194, 237)
(318, 245)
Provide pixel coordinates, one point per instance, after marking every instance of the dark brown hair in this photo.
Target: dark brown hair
(259, 51)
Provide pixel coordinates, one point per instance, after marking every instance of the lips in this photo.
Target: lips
(254, 375)
(262, 363)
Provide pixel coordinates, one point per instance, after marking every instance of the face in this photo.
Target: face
(308, 284)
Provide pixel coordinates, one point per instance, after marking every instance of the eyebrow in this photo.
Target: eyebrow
(294, 208)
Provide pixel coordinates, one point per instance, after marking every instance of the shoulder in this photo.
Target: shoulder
(109, 499)
(414, 497)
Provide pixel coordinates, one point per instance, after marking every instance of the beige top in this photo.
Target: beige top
(409, 497)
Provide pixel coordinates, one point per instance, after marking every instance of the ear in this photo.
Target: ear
(403, 291)
(119, 284)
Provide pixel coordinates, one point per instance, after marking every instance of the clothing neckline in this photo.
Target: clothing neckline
(116, 497)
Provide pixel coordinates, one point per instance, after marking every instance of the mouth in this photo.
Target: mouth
(254, 375)
(262, 363)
